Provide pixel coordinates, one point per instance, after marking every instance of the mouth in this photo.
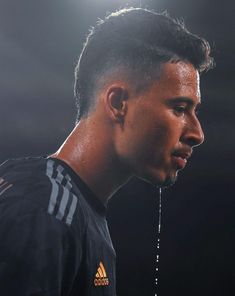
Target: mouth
(179, 161)
(180, 158)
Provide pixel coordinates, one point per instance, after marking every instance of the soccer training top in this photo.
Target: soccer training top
(54, 238)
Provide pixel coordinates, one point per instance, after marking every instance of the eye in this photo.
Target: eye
(179, 110)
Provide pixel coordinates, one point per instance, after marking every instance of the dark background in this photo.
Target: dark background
(39, 45)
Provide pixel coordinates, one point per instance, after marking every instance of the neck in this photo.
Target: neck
(89, 152)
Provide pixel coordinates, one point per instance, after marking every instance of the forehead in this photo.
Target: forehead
(178, 79)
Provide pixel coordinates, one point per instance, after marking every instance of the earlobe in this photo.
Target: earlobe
(116, 102)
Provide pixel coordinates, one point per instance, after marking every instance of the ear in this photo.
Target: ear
(115, 101)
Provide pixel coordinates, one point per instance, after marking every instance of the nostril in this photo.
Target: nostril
(197, 140)
(194, 137)
(194, 134)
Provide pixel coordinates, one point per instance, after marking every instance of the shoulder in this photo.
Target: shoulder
(39, 184)
(20, 176)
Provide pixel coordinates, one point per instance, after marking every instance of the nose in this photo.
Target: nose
(193, 134)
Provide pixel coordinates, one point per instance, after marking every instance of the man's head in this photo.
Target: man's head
(145, 68)
(133, 42)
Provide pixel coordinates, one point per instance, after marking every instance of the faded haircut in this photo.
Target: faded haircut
(134, 42)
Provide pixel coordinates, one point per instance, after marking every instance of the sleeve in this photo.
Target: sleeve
(39, 255)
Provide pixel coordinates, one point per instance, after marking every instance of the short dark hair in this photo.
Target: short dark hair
(138, 40)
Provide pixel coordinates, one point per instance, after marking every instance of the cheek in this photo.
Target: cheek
(149, 132)
(166, 136)
(149, 139)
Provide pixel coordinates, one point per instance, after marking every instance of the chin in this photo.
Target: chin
(169, 182)
(160, 181)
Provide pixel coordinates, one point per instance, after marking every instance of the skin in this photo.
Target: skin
(148, 135)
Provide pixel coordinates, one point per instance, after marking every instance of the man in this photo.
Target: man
(137, 91)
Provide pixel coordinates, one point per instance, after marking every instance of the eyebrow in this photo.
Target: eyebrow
(183, 100)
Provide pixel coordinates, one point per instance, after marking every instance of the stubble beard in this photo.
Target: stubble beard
(169, 181)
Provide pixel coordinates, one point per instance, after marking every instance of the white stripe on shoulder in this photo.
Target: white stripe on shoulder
(55, 186)
(72, 209)
(56, 182)
(68, 179)
(63, 204)
(67, 196)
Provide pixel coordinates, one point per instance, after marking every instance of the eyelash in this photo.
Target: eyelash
(180, 109)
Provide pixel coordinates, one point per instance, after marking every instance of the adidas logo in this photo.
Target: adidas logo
(101, 278)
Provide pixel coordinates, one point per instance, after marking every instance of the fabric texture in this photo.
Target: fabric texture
(54, 238)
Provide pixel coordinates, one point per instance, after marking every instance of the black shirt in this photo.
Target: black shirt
(54, 238)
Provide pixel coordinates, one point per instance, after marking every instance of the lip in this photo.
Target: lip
(179, 161)
(180, 157)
